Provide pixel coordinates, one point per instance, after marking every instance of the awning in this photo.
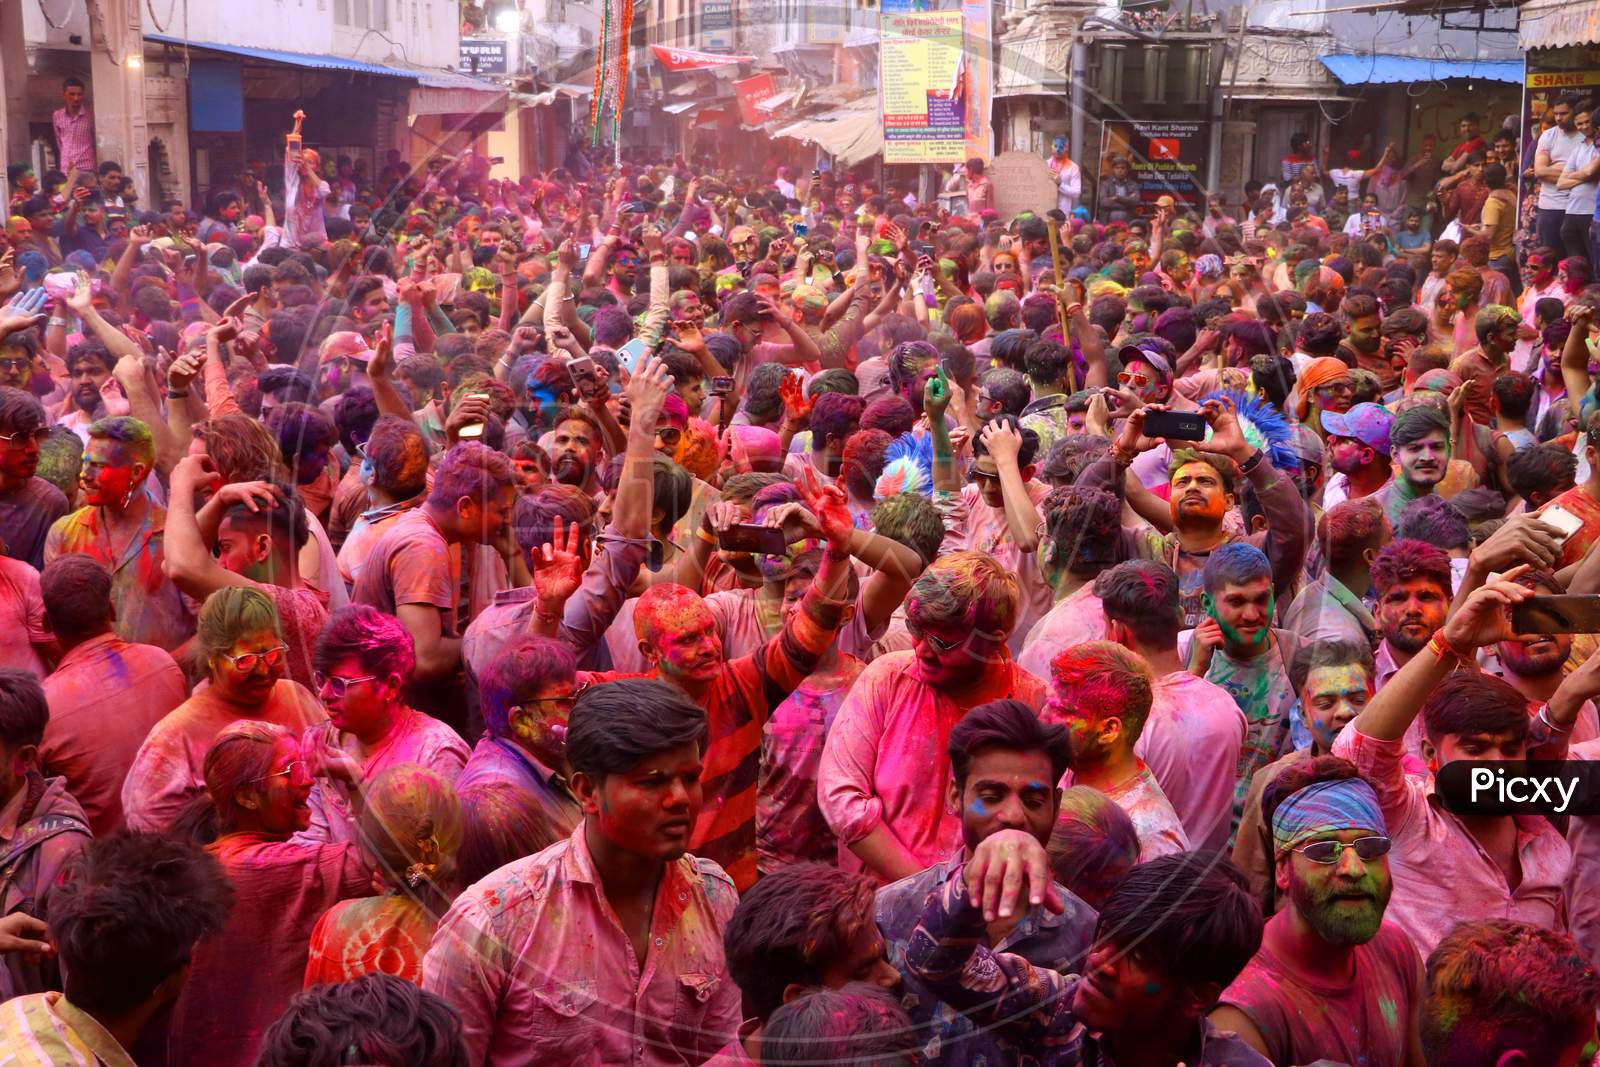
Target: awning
(448, 93)
(1555, 23)
(313, 60)
(1385, 69)
(678, 108)
(851, 136)
(676, 59)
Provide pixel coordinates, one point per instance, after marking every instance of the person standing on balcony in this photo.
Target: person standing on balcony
(74, 127)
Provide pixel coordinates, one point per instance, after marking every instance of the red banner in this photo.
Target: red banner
(676, 59)
(751, 92)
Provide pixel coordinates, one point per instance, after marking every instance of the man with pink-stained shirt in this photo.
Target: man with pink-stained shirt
(106, 693)
(1192, 738)
(884, 766)
(607, 947)
(1450, 868)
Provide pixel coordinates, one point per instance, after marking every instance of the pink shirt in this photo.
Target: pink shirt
(105, 697)
(1147, 807)
(885, 759)
(536, 963)
(419, 739)
(1583, 903)
(22, 617)
(168, 771)
(972, 525)
(1074, 620)
(1192, 741)
(1442, 876)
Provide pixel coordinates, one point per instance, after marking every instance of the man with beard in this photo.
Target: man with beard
(545, 392)
(1358, 451)
(89, 367)
(1452, 867)
(1334, 681)
(1554, 150)
(575, 451)
(1101, 693)
(1202, 492)
(1236, 648)
(29, 505)
(1362, 347)
(1003, 763)
(581, 616)
(605, 947)
(1332, 980)
(1534, 663)
(1174, 934)
(1420, 439)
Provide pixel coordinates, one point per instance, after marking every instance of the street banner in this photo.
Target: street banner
(676, 59)
(1167, 158)
(922, 75)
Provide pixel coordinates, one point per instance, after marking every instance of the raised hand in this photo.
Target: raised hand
(796, 405)
(1485, 618)
(82, 298)
(1008, 869)
(558, 565)
(828, 505)
(25, 312)
(936, 396)
(382, 353)
(1227, 436)
(647, 391)
(1001, 441)
(184, 370)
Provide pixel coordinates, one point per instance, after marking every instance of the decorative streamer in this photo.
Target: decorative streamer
(611, 70)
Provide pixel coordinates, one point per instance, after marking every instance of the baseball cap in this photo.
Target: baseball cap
(1368, 423)
(345, 344)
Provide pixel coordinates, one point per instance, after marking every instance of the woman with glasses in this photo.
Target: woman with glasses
(363, 660)
(1332, 980)
(258, 780)
(240, 641)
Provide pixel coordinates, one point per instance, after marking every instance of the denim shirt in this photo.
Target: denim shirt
(949, 1038)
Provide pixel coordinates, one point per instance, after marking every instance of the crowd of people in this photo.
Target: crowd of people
(640, 615)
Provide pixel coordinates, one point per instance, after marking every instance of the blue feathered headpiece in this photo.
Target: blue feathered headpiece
(907, 466)
(1264, 427)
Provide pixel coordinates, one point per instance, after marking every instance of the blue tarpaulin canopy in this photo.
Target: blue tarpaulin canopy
(297, 59)
(1384, 70)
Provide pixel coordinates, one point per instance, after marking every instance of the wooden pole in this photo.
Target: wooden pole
(1061, 308)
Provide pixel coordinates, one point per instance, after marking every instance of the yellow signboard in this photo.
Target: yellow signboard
(923, 78)
(1562, 79)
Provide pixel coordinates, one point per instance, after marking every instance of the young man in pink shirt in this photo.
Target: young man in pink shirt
(1102, 693)
(1192, 739)
(605, 947)
(105, 694)
(1451, 867)
(884, 767)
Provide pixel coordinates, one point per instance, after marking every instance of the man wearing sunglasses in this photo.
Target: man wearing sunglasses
(29, 505)
(1332, 981)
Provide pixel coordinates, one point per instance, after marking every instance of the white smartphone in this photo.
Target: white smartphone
(1562, 519)
(472, 430)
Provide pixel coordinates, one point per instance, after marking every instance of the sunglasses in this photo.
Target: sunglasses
(21, 437)
(1137, 381)
(939, 644)
(336, 685)
(250, 660)
(670, 435)
(287, 772)
(1328, 852)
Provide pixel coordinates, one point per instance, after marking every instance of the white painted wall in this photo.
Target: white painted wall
(420, 33)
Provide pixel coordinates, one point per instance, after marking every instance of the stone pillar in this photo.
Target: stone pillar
(14, 84)
(117, 93)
